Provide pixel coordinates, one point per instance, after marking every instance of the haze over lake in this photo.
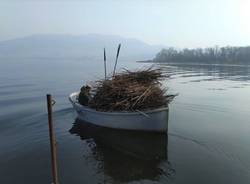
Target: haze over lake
(58, 46)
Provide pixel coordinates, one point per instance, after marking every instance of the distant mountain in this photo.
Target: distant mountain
(71, 46)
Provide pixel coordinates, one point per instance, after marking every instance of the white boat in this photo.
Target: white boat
(152, 120)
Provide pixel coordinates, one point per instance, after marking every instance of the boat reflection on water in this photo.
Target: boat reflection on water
(126, 155)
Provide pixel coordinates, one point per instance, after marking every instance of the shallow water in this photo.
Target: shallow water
(207, 141)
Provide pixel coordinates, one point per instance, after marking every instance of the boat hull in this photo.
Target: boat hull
(154, 120)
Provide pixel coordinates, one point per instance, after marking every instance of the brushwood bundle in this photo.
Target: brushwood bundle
(131, 91)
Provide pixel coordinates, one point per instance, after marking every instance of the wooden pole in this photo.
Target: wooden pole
(117, 55)
(105, 68)
(52, 141)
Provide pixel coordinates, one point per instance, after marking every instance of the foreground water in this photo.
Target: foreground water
(207, 141)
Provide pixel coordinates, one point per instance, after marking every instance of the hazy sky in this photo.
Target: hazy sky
(179, 23)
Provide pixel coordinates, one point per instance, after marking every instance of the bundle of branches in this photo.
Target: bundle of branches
(131, 91)
(145, 76)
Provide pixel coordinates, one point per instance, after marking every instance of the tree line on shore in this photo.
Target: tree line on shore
(215, 54)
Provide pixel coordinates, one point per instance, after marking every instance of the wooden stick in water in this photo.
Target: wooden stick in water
(50, 102)
(117, 55)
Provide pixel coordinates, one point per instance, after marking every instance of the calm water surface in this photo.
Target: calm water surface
(208, 139)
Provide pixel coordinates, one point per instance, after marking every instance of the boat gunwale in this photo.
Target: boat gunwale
(85, 108)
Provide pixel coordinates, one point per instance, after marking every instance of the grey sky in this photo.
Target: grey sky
(179, 23)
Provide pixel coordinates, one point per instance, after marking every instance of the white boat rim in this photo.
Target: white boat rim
(72, 98)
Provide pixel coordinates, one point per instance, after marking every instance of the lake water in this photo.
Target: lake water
(208, 138)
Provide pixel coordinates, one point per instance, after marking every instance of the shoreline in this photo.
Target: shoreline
(190, 63)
